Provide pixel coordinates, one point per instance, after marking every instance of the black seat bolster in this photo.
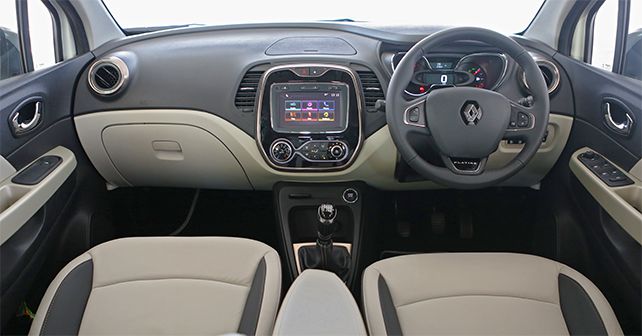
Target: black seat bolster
(64, 315)
(579, 311)
(390, 318)
(251, 312)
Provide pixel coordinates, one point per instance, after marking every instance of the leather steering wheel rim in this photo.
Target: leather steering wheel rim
(397, 105)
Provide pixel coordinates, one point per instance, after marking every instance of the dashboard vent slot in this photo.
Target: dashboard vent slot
(108, 75)
(246, 93)
(372, 90)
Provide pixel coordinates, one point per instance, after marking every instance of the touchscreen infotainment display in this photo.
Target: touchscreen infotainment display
(309, 108)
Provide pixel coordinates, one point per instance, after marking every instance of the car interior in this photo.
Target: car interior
(463, 169)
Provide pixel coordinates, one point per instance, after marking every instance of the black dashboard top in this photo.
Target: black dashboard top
(204, 68)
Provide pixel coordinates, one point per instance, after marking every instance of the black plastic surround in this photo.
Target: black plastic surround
(312, 147)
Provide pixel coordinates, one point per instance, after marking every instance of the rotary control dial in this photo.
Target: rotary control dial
(281, 151)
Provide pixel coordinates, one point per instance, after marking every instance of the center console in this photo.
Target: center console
(309, 117)
(321, 227)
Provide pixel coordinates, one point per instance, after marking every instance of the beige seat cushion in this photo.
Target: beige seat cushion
(482, 293)
(165, 285)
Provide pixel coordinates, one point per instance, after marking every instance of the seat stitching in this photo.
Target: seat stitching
(485, 295)
(171, 278)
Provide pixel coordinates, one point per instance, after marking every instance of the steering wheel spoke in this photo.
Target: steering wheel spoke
(521, 124)
(414, 113)
(465, 166)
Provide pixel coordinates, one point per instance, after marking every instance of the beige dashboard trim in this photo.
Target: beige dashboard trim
(624, 204)
(374, 165)
(18, 203)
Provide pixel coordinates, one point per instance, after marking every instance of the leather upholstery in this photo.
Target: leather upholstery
(319, 303)
(475, 293)
(173, 285)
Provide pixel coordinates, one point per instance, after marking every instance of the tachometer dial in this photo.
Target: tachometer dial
(479, 75)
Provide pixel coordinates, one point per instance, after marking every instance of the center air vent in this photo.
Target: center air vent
(372, 90)
(549, 70)
(246, 93)
(108, 75)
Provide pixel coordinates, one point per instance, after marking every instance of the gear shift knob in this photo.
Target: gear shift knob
(326, 226)
(327, 213)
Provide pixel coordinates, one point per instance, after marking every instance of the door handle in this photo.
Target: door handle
(27, 116)
(620, 121)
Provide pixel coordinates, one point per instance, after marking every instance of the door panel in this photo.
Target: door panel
(605, 220)
(32, 216)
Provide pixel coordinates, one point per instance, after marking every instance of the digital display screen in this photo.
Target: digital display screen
(441, 65)
(309, 109)
(436, 78)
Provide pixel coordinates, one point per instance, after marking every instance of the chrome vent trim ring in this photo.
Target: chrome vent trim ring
(112, 63)
(543, 63)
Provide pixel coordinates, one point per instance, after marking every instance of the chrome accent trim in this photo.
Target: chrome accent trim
(343, 195)
(287, 142)
(480, 166)
(623, 128)
(542, 61)
(360, 108)
(532, 117)
(501, 56)
(421, 116)
(116, 62)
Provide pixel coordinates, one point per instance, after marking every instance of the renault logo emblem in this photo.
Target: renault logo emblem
(471, 113)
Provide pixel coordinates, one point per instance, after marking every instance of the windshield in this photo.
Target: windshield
(506, 16)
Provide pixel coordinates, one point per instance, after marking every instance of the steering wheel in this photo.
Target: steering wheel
(466, 124)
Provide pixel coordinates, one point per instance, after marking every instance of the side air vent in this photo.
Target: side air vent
(372, 90)
(246, 93)
(549, 70)
(108, 75)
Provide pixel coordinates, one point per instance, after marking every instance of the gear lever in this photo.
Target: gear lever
(324, 255)
(326, 225)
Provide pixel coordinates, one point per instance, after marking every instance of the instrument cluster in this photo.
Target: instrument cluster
(481, 70)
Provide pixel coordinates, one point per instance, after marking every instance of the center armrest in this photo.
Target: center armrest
(318, 302)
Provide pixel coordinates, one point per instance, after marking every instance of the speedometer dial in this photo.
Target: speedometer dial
(413, 89)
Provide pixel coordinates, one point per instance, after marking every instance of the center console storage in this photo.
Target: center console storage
(309, 117)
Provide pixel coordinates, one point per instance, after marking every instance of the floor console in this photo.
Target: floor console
(321, 226)
(309, 117)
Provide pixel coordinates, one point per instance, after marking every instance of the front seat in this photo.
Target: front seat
(482, 293)
(165, 285)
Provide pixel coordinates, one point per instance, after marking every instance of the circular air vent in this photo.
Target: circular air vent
(550, 72)
(108, 75)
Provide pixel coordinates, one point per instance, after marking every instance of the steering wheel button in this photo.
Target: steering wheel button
(413, 115)
(523, 120)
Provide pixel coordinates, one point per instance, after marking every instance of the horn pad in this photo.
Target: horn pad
(467, 122)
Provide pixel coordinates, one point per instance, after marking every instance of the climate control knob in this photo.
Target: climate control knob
(337, 151)
(281, 151)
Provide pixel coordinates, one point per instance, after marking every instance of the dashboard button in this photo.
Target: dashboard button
(522, 120)
(337, 151)
(350, 195)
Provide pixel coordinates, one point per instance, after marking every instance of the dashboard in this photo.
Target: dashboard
(244, 107)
